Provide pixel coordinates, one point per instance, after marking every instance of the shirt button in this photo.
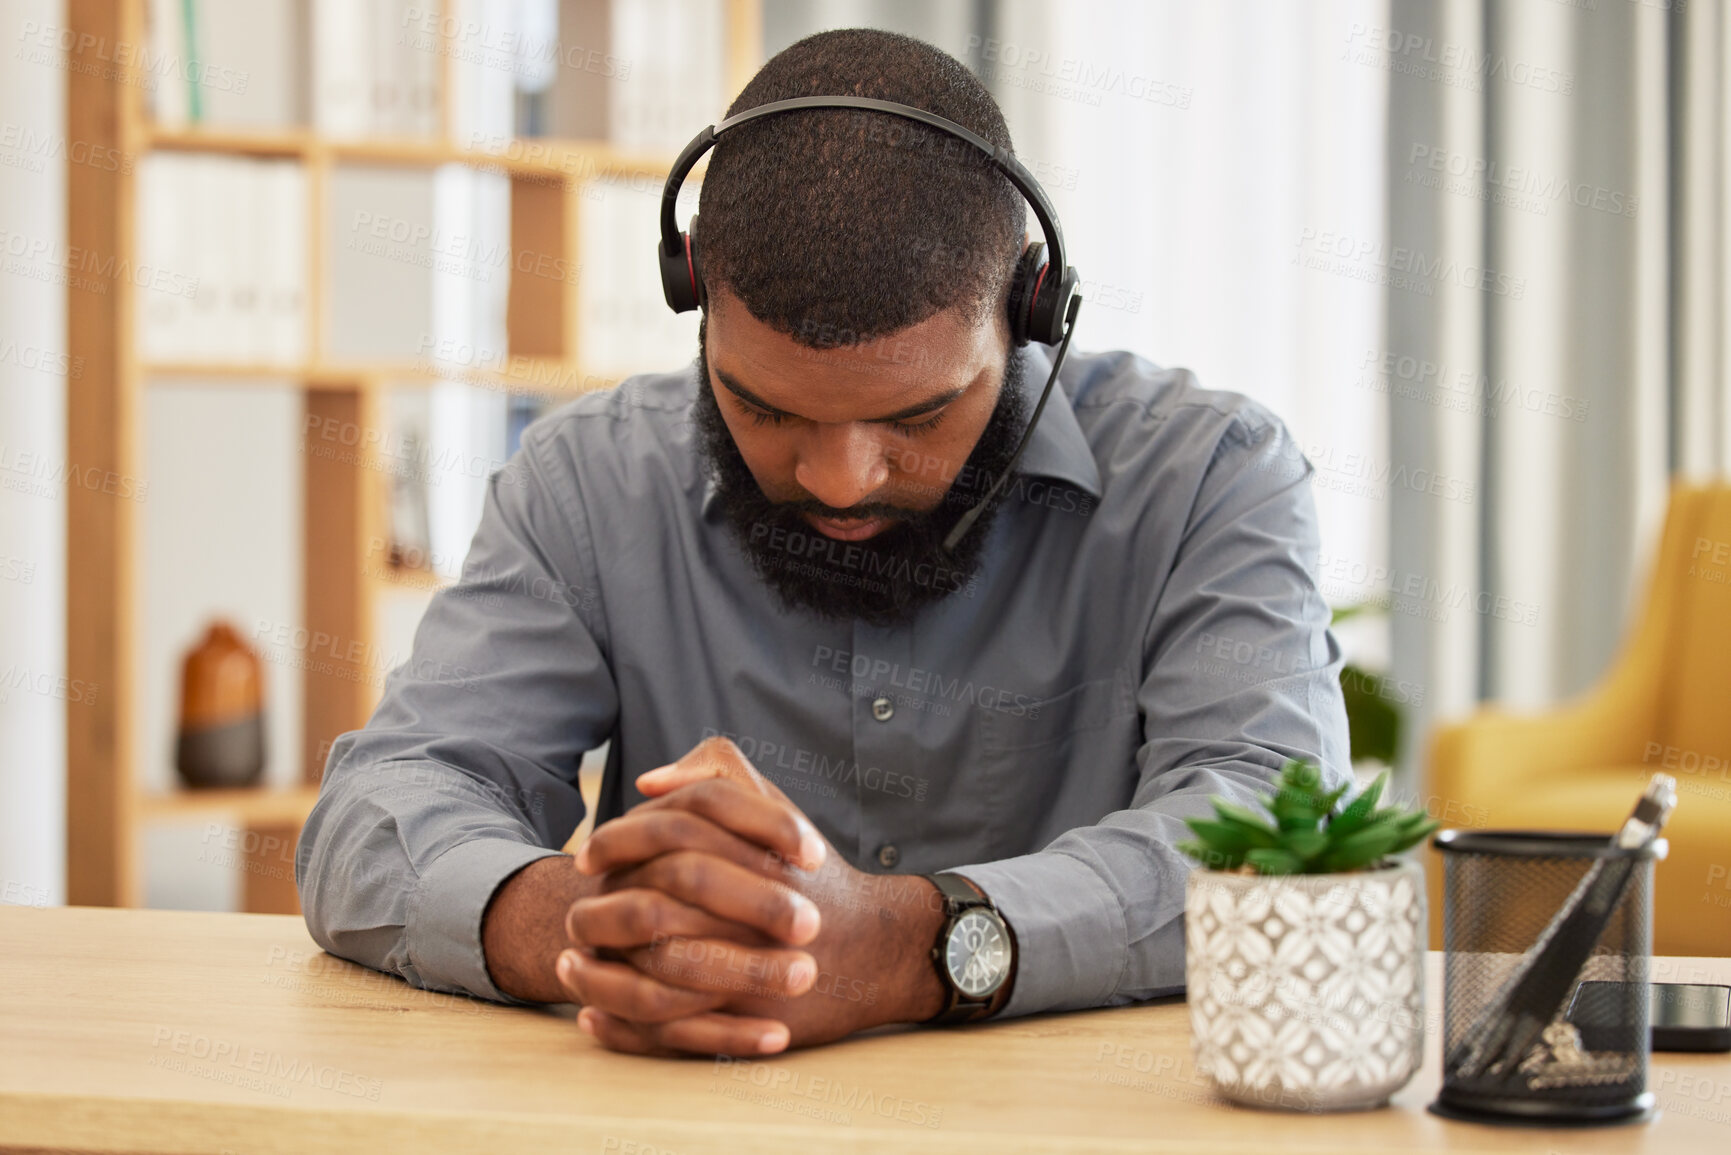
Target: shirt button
(888, 855)
(883, 709)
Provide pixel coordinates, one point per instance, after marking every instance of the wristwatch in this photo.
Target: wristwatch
(975, 952)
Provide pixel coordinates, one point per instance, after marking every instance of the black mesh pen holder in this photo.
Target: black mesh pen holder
(1545, 1017)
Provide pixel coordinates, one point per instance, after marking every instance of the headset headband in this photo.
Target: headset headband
(1041, 308)
(1001, 159)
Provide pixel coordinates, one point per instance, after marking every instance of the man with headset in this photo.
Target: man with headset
(910, 663)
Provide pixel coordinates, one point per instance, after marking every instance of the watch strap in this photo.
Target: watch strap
(959, 894)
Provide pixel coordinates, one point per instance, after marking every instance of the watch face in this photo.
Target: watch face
(977, 955)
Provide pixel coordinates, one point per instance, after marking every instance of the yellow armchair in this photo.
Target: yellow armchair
(1664, 705)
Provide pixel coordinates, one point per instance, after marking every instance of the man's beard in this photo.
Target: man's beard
(886, 579)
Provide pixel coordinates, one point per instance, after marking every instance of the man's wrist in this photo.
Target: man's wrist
(523, 927)
(916, 991)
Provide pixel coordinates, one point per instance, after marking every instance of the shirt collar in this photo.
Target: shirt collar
(1059, 450)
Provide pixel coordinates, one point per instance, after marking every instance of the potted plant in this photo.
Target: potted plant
(1305, 946)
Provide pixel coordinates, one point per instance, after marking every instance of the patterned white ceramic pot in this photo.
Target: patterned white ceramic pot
(1307, 991)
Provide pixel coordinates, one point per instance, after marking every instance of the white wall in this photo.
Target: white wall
(32, 510)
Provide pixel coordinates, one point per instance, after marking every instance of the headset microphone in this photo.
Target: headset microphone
(966, 521)
(1043, 300)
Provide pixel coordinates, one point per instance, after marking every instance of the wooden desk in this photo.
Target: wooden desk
(126, 1030)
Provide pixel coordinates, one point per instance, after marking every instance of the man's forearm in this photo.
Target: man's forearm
(523, 930)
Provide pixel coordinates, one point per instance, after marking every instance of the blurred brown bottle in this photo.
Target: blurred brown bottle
(221, 740)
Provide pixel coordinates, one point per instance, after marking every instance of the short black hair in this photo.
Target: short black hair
(839, 226)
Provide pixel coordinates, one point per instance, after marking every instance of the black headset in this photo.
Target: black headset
(1042, 308)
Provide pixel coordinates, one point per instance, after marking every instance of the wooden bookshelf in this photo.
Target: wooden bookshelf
(250, 808)
(342, 584)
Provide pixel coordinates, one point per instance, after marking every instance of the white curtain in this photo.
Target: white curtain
(1198, 155)
(1575, 156)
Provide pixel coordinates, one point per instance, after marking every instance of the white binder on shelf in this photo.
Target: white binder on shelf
(342, 38)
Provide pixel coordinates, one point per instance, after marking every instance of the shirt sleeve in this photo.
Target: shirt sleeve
(1240, 674)
(467, 771)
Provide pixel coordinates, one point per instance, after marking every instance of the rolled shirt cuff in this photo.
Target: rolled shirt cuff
(1072, 944)
(444, 918)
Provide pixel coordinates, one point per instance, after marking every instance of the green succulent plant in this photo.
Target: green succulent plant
(1306, 836)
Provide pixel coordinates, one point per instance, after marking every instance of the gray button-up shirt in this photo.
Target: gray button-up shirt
(1145, 632)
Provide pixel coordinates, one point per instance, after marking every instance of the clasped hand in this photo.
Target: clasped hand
(726, 924)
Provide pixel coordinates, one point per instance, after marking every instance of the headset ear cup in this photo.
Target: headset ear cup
(681, 273)
(1021, 290)
(1050, 306)
(676, 279)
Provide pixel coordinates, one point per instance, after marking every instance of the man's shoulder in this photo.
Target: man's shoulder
(647, 402)
(630, 432)
(1121, 399)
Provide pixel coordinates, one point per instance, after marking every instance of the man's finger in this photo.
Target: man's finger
(639, 916)
(714, 1033)
(730, 892)
(619, 988)
(727, 967)
(646, 832)
(715, 757)
(618, 1034)
(719, 1033)
(775, 825)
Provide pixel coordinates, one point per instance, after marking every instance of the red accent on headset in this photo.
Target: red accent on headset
(689, 269)
(1035, 295)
